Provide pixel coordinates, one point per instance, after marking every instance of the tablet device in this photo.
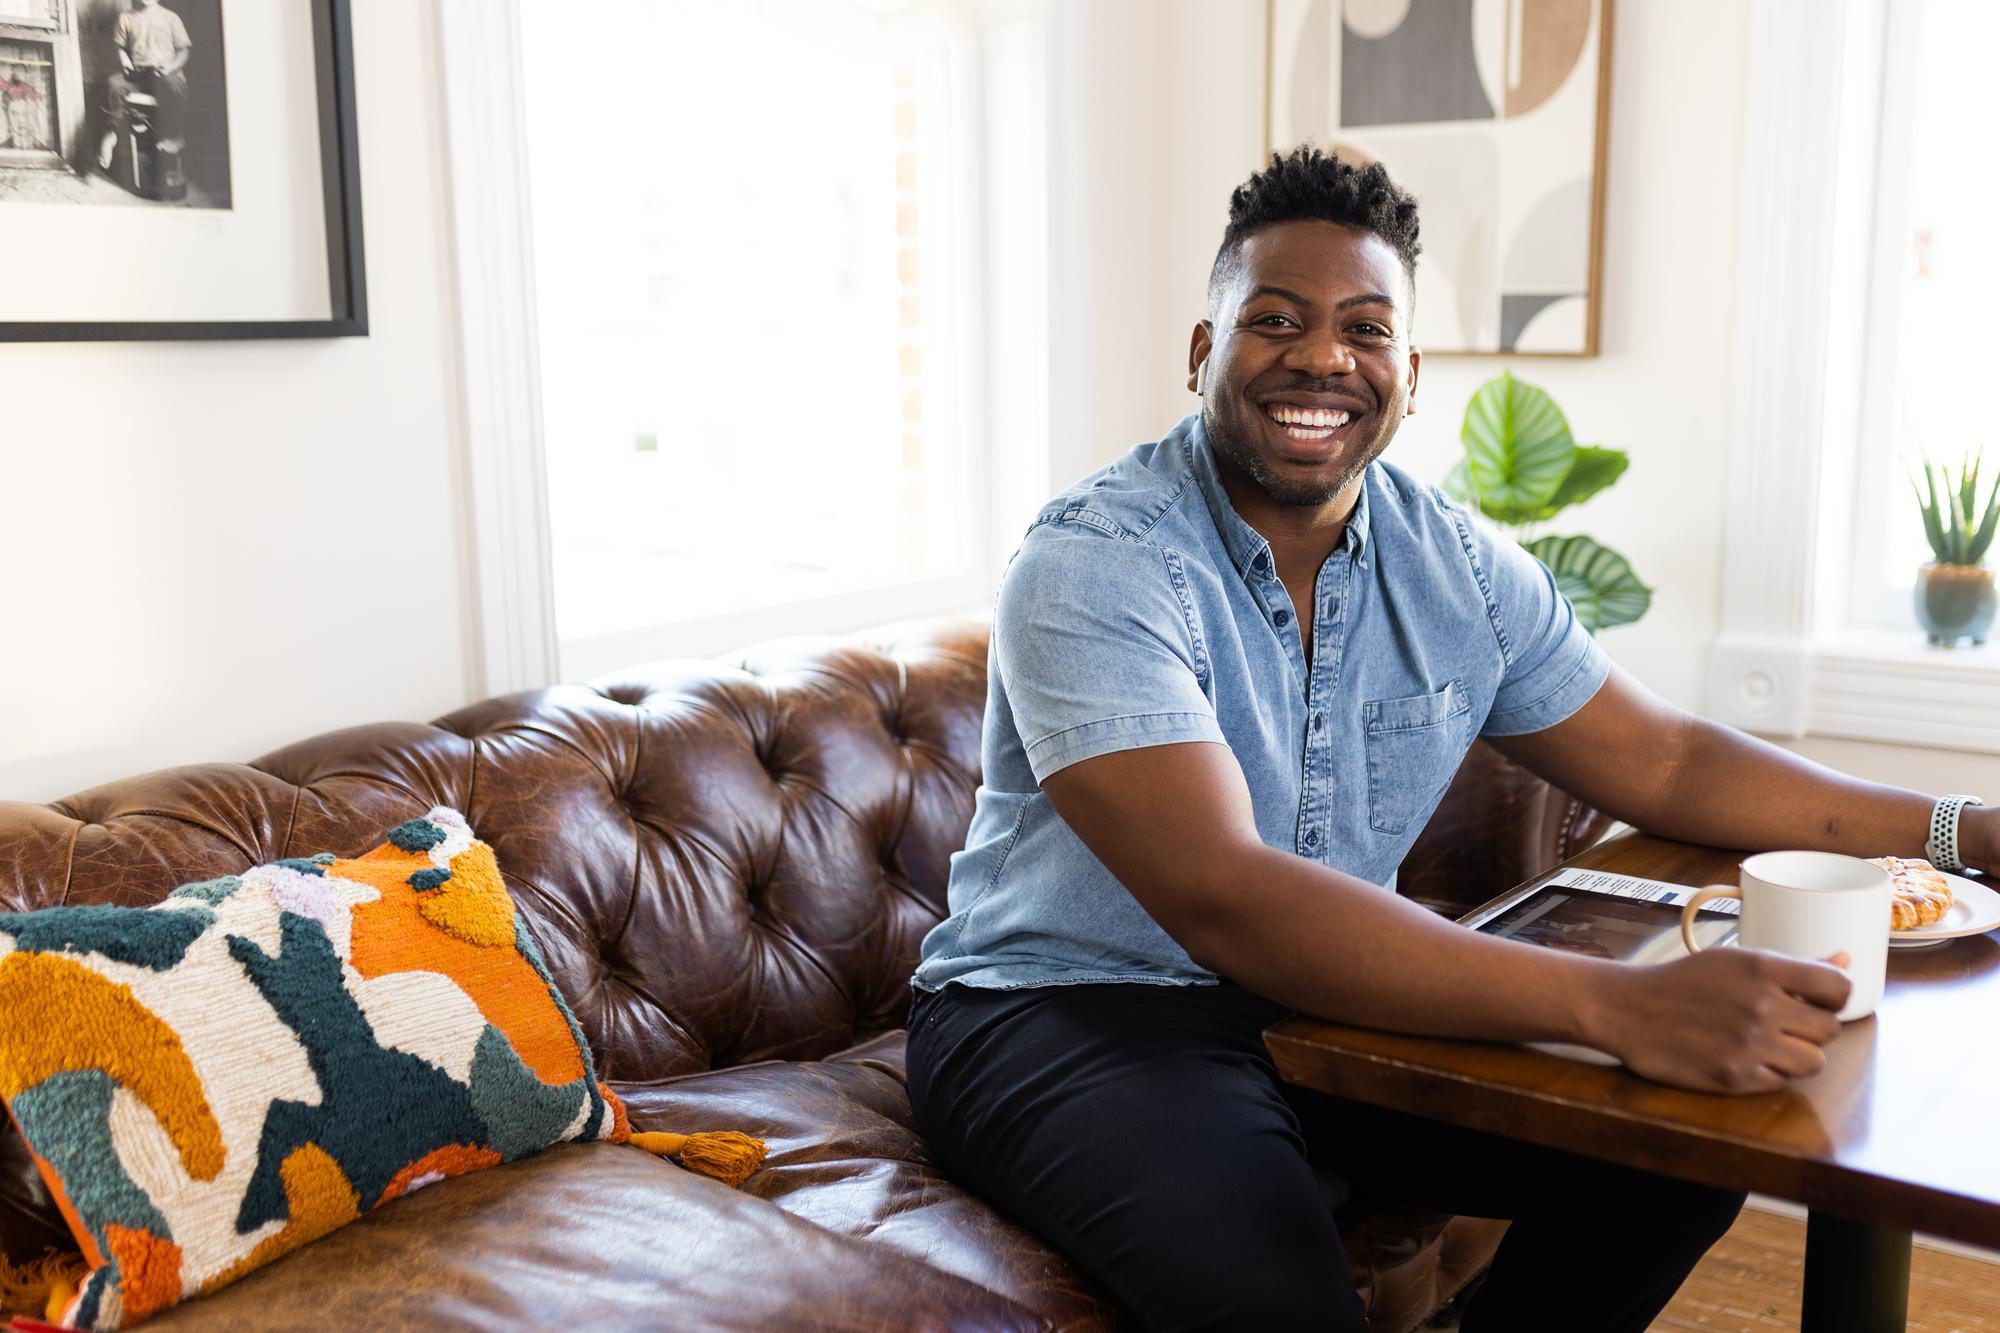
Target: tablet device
(1618, 917)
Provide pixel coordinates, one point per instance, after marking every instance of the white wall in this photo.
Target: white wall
(208, 550)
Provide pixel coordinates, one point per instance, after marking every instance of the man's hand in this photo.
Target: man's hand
(1724, 1020)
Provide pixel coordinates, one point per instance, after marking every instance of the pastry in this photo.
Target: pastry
(1921, 892)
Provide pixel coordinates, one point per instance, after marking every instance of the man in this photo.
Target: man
(153, 51)
(1231, 677)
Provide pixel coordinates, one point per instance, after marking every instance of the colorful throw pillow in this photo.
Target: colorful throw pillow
(211, 1082)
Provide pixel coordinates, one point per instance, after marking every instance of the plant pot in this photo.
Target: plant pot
(1955, 602)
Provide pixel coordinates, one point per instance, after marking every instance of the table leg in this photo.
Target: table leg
(1857, 1276)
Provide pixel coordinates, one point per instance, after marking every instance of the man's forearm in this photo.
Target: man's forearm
(1734, 790)
(1338, 947)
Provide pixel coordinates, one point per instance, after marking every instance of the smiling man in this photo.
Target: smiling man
(1232, 675)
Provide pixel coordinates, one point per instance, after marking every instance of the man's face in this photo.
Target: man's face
(1309, 364)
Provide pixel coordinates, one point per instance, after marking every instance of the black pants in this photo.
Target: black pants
(1143, 1131)
(169, 90)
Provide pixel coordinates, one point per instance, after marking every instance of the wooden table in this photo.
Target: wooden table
(1900, 1133)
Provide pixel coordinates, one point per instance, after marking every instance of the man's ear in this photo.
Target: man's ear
(1410, 405)
(1199, 346)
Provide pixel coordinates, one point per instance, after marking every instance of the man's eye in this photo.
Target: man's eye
(1271, 319)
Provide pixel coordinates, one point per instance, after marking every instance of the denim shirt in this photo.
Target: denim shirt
(1142, 610)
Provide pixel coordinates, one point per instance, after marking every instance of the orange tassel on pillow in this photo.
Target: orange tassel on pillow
(729, 1157)
(42, 1289)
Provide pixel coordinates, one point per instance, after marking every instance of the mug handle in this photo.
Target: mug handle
(1708, 894)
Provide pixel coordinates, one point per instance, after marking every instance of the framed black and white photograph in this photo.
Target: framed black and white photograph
(178, 169)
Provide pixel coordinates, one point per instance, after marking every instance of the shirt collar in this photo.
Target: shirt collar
(1246, 546)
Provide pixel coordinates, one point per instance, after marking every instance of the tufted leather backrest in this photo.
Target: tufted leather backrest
(721, 862)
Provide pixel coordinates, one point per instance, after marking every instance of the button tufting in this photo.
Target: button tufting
(649, 867)
(767, 760)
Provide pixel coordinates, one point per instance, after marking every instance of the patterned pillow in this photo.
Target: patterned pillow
(211, 1082)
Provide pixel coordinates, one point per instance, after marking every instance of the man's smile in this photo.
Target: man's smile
(1310, 433)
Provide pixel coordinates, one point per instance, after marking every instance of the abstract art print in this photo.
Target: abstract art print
(1493, 114)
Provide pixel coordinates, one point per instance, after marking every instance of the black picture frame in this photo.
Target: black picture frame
(340, 174)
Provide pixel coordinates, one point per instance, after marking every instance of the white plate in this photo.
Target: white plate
(1975, 909)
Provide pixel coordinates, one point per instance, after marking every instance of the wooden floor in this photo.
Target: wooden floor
(1751, 1281)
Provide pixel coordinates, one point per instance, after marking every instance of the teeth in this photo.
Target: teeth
(1316, 417)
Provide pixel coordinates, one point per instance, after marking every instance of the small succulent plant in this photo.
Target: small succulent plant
(1960, 531)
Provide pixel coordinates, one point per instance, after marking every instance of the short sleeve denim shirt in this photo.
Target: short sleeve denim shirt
(1142, 610)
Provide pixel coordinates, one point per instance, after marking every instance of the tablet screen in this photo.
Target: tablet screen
(1628, 930)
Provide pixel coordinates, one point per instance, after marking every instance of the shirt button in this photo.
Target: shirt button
(1319, 721)
(1283, 618)
(1263, 562)
(1312, 837)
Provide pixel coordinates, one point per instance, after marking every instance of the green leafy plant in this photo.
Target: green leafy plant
(1521, 468)
(1956, 536)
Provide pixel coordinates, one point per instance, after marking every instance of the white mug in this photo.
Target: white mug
(1812, 905)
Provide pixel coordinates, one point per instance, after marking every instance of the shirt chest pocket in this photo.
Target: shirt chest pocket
(1414, 745)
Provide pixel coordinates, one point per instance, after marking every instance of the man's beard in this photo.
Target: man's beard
(1304, 493)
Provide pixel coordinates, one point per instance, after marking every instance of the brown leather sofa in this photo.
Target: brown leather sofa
(729, 868)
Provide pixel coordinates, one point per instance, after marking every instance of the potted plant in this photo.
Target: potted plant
(1521, 468)
(1954, 595)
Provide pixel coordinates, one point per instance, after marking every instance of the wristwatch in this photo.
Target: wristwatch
(1942, 845)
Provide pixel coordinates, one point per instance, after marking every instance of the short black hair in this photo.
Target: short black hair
(1307, 183)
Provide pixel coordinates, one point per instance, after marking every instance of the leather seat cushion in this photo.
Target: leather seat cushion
(600, 1237)
(845, 1156)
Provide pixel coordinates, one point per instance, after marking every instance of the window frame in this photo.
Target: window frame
(998, 342)
(1792, 659)
(1872, 602)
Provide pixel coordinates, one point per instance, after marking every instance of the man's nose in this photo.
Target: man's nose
(1322, 354)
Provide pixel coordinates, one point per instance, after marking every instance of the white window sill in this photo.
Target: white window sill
(1908, 646)
(1874, 685)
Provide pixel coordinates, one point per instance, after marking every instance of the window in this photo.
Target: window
(1926, 374)
(1860, 284)
(759, 298)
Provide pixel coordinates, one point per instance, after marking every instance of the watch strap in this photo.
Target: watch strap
(1942, 845)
